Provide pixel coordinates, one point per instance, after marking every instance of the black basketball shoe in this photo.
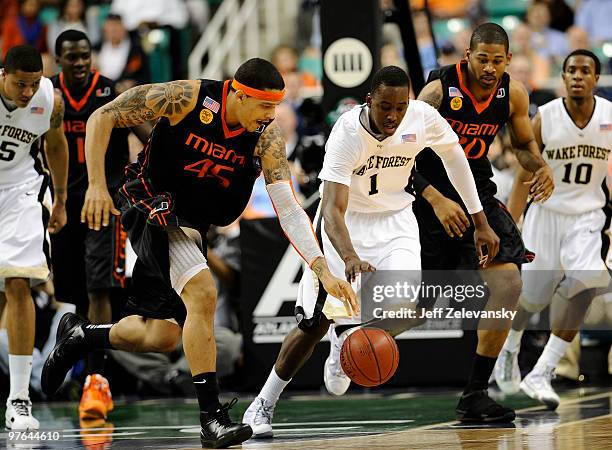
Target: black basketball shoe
(478, 407)
(69, 348)
(218, 430)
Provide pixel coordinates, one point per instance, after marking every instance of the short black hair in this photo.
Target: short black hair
(69, 36)
(259, 73)
(23, 57)
(389, 76)
(489, 33)
(584, 52)
(114, 16)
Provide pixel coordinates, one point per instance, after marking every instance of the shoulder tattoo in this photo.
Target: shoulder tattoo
(143, 103)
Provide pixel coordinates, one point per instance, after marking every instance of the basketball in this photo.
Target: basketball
(369, 356)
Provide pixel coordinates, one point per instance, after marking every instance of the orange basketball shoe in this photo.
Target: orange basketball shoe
(97, 400)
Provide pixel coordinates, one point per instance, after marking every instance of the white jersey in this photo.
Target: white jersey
(578, 157)
(377, 172)
(19, 131)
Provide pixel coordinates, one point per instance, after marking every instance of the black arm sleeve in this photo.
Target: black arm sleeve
(419, 182)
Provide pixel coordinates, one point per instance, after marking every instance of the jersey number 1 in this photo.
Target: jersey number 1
(582, 175)
(373, 185)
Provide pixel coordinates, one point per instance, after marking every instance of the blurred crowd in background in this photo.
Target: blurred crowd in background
(144, 41)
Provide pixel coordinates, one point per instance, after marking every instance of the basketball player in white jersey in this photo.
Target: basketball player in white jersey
(29, 110)
(367, 219)
(566, 232)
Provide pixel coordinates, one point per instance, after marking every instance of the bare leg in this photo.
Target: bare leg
(134, 334)
(297, 348)
(99, 307)
(2, 305)
(200, 298)
(505, 285)
(521, 319)
(568, 316)
(20, 316)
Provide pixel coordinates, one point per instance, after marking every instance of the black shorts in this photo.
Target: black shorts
(85, 260)
(152, 293)
(441, 252)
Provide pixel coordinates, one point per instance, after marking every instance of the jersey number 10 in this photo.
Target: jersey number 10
(582, 175)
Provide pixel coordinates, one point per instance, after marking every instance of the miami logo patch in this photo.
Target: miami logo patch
(206, 116)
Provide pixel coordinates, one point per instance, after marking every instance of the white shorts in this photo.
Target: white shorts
(388, 241)
(568, 251)
(24, 242)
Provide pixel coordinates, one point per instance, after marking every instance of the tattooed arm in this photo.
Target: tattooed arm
(135, 106)
(432, 93)
(271, 151)
(293, 219)
(56, 150)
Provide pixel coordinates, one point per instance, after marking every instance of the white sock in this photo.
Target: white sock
(554, 350)
(20, 368)
(273, 388)
(513, 341)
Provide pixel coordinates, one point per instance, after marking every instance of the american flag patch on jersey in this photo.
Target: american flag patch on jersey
(454, 92)
(410, 137)
(37, 110)
(605, 127)
(211, 104)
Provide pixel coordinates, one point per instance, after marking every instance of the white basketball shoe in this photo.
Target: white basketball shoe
(259, 416)
(19, 415)
(336, 381)
(507, 373)
(537, 386)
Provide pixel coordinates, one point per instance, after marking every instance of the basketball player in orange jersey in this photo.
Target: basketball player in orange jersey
(211, 141)
(477, 98)
(366, 220)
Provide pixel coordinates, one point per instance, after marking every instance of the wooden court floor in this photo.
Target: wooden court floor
(415, 420)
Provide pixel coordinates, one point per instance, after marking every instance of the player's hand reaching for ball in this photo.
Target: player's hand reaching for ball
(98, 207)
(336, 287)
(542, 184)
(354, 265)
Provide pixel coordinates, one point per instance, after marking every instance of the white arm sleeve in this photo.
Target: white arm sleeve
(294, 221)
(460, 174)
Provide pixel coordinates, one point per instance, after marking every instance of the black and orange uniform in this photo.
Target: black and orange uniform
(193, 174)
(86, 260)
(476, 124)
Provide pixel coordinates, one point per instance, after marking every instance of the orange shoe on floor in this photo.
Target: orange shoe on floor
(97, 400)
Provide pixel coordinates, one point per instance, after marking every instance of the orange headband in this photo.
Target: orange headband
(258, 93)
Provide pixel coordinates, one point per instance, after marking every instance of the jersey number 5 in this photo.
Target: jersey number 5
(6, 154)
